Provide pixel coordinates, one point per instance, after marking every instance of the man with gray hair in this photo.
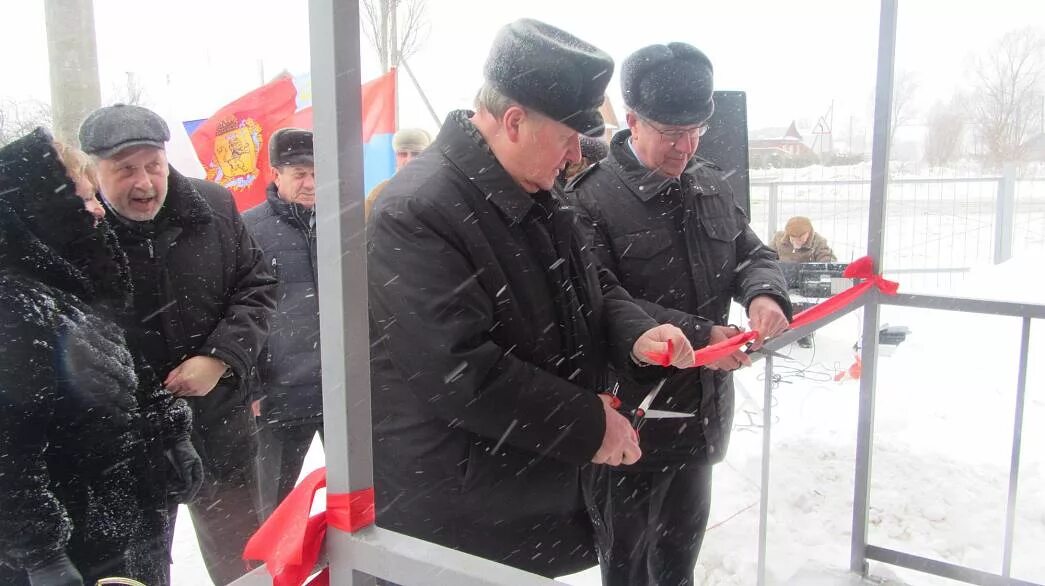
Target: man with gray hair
(202, 302)
(492, 329)
(666, 223)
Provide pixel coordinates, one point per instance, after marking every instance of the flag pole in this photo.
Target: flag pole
(424, 98)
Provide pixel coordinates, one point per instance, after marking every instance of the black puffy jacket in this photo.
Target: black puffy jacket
(82, 430)
(684, 250)
(216, 294)
(492, 333)
(289, 366)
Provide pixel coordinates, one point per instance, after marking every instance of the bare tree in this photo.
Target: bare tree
(943, 135)
(1008, 83)
(903, 97)
(396, 28)
(130, 92)
(19, 118)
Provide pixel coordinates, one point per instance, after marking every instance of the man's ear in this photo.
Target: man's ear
(274, 174)
(513, 120)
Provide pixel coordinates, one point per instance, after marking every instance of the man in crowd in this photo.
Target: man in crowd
(408, 144)
(203, 298)
(492, 328)
(798, 242)
(665, 222)
(291, 408)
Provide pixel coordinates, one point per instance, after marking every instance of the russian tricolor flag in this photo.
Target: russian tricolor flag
(379, 124)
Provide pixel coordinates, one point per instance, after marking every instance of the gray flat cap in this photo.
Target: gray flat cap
(111, 129)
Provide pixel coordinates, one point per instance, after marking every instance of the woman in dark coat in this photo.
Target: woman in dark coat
(91, 447)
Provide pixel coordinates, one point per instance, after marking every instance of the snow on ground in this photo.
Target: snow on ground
(943, 438)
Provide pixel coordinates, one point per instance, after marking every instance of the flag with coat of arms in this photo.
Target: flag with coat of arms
(232, 144)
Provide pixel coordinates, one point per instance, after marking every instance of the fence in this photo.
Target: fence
(937, 229)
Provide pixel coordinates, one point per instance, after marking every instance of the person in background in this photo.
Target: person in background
(203, 298)
(291, 407)
(665, 222)
(91, 445)
(492, 329)
(593, 150)
(798, 242)
(407, 143)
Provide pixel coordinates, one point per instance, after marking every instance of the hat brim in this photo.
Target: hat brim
(296, 160)
(111, 152)
(679, 117)
(586, 122)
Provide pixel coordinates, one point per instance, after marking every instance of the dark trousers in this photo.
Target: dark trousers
(658, 521)
(225, 511)
(281, 454)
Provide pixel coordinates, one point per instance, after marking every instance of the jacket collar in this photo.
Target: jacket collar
(460, 142)
(645, 183)
(295, 213)
(185, 206)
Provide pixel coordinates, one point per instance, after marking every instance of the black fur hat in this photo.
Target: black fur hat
(670, 84)
(551, 71)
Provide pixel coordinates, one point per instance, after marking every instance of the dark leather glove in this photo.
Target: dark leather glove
(188, 471)
(57, 570)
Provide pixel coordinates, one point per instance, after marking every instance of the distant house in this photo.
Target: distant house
(788, 150)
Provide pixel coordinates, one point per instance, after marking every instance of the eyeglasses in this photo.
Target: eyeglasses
(673, 135)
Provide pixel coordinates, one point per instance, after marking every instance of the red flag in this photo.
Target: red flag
(233, 144)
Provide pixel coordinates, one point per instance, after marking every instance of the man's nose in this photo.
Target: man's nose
(687, 143)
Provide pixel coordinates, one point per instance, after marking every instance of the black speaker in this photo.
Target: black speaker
(725, 143)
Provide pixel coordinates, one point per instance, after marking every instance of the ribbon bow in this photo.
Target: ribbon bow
(861, 268)
(290, 540)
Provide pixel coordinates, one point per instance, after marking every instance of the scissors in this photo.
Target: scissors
(764, 351)
(643, 411)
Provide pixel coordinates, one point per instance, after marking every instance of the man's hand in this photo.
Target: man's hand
(765, 316)
(655, 342)
(734, 360)
(255, 408)
(620, 444)
(195, 377)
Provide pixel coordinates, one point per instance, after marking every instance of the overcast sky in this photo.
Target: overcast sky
(794, 58)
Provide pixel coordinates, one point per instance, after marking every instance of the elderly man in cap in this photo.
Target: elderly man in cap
(492, 329)
(666, 224)
(407, 143)
(202, 302)
(291, 408)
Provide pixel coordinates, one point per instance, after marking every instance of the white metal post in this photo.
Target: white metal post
(344, 326)
(875, 247)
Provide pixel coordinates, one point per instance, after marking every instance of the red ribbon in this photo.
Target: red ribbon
(714, 352)
(861, 268)
(290, 540)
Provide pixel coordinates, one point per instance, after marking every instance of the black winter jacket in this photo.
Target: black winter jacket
(216, 294)
(80, 429)
(684, 249)
(289, 366)
(492, 332)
